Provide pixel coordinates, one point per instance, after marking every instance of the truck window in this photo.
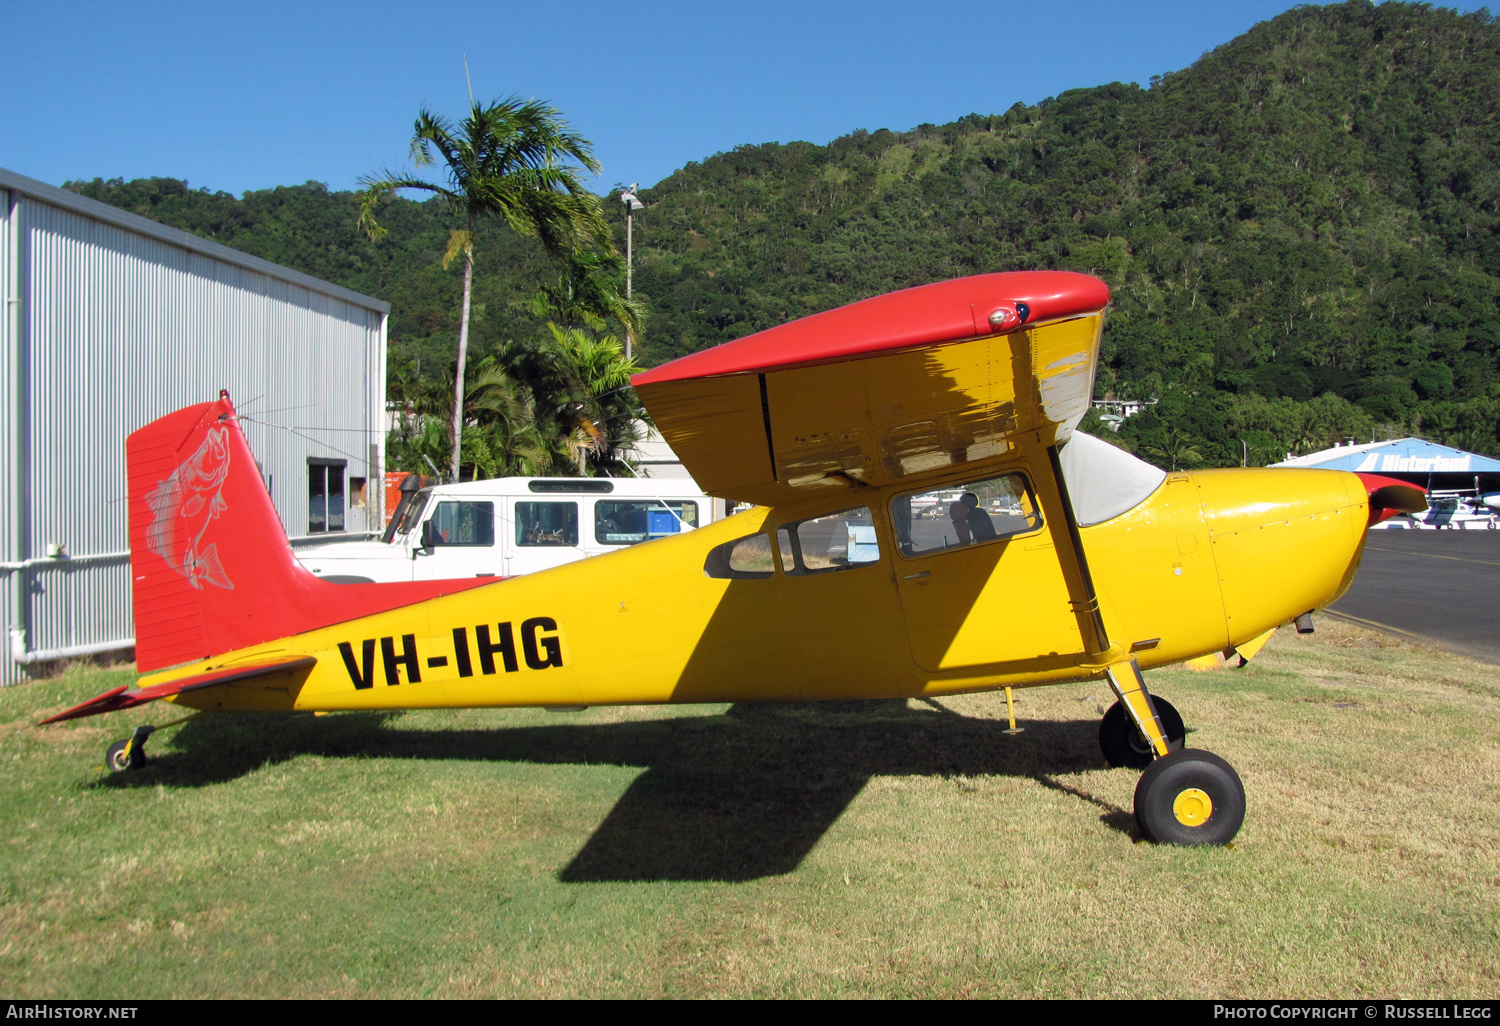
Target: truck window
(546, 523)
(464, 524)
(628, 523)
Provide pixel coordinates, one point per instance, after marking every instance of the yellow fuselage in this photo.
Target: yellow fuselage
(1208, 561)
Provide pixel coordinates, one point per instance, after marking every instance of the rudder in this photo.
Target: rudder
(211, 568)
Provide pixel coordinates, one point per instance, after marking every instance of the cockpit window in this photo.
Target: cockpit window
(968, 514)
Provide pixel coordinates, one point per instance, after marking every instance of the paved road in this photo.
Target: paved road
(1443, 586)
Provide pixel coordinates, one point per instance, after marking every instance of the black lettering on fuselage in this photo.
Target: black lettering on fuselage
(363, 677)
(549, 644)
(506, 646)
(407, 658)
(461, 652)
(540, 650)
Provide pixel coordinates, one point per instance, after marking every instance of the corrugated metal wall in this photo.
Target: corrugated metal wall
(118, 327)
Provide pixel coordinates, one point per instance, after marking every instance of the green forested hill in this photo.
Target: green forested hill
(1301, 232)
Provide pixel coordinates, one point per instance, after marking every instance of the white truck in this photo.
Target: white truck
(514, 525)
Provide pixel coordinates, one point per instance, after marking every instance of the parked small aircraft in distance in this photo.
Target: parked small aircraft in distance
(927, 522)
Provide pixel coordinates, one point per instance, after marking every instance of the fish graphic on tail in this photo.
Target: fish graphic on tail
(184, 505)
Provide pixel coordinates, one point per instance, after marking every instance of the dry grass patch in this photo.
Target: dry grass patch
(860, 849)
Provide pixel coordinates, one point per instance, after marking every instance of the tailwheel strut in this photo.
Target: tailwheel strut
(130, 753)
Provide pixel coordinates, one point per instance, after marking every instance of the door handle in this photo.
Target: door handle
(913, 577)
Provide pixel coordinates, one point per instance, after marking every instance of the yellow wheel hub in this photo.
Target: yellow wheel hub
(1192, 807)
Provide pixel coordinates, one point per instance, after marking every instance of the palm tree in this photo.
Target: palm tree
(1177, 447)
(504, 160)
(586, 295)
(577, 393)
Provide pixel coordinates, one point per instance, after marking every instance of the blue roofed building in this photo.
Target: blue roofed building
(1409, 459)
(1463, 487)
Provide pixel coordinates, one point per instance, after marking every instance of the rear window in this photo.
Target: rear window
(744, 559)
(630, 522)
(838, 541)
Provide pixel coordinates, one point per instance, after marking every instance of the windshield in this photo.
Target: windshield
(407, 516)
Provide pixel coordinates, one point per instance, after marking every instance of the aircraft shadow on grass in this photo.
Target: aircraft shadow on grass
(734, 797)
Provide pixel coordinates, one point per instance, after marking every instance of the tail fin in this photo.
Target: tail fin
(212, 570)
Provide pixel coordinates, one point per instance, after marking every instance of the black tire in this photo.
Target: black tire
(116, 759)
(1123, 745)
(1190, 797)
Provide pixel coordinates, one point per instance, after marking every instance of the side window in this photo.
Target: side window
(838, 541)
(325, 495)
(744, 559)
(464, 524)
(546, 523)
(626, 523)
(968, 514)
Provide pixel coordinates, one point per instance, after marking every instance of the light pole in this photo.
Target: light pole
(632, 204)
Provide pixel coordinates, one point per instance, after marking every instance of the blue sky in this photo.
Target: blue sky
(250, 96)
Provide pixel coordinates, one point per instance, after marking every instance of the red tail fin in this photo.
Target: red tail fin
(211, 566)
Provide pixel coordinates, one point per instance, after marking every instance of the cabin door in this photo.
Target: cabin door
(979, 579)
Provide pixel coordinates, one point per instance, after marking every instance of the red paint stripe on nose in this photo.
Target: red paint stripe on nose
(1388, 496)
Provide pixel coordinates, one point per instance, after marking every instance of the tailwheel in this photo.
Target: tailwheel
(129, 753)
(1122, 743)
(1190, 797)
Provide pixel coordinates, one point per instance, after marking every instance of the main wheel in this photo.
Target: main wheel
(1123, 744)
(1190, 797)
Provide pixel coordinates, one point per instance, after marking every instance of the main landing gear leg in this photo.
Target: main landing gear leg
(1185, 796)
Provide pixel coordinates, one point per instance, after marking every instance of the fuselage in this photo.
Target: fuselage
(1207, 561)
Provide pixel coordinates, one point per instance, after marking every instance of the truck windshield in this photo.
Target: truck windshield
(407, 515)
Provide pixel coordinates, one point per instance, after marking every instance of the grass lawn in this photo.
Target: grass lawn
(859, 849)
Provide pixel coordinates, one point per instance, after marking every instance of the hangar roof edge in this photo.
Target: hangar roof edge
(14, 182)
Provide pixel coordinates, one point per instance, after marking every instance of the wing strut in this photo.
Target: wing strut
(1124, 674)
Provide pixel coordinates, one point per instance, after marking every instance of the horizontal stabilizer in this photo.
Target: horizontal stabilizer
(124, 697)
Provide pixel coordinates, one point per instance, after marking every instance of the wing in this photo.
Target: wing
(897, 387)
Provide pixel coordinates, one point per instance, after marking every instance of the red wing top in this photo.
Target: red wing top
(899, 386)
(947, 311)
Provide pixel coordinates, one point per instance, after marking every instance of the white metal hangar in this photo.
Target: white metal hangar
(112, 320)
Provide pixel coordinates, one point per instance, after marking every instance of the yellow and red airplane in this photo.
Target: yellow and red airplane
(926, 522)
